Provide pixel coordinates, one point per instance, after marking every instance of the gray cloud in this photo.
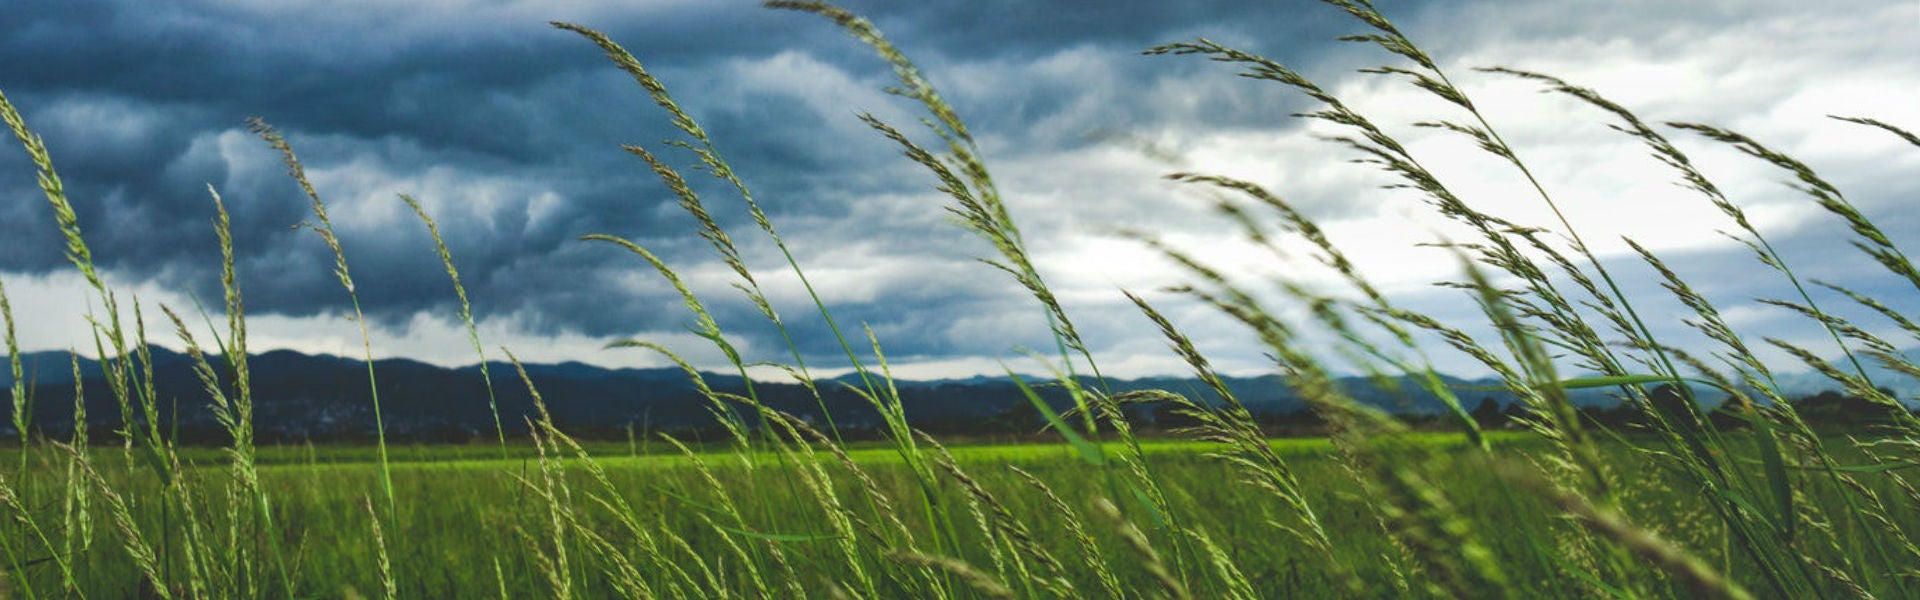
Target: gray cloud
(509, 132)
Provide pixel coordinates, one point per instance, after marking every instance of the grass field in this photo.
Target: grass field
(473, 528)
(1677, 507)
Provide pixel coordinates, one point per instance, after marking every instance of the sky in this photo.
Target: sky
(509, 132)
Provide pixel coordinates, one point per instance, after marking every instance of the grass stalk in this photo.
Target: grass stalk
(324, 228)
(466, 316)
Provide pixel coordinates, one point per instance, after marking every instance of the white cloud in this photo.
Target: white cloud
(1769, 70)
(50, 313)
(828, 91)
(94, 127)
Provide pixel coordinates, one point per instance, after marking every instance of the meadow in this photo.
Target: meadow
(1676, 507)
(459, 514)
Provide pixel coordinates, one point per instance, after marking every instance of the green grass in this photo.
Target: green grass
(461, 515)
(1677, 508)
(620, 454)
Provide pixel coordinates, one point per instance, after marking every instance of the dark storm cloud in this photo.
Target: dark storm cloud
(142, 107)
(510, 130)
(1035, 28)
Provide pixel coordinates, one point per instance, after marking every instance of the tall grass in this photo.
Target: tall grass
(1675, 508)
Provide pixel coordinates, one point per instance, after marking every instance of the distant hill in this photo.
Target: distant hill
(301, 396)
(1807, 383)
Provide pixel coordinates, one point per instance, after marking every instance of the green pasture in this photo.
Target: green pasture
(465, 523)
(1748, 501)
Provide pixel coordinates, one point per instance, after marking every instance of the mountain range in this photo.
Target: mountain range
(301, 396)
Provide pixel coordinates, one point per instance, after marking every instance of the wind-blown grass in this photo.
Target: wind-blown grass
(1676, 507)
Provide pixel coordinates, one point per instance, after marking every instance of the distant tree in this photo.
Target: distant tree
(1515, 412)
(1488, 414)
(1594, 416)
(1675, 406)
(1019, 417)
(1167, 415)
(1299, 422)
(1845, 410)
(1732, 415)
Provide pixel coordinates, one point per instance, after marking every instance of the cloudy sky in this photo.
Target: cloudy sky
(509, 132)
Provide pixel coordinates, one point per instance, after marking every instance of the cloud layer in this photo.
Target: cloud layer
(509, 132)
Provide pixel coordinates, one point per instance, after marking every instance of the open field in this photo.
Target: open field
(470, 528)
(1713, 484)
